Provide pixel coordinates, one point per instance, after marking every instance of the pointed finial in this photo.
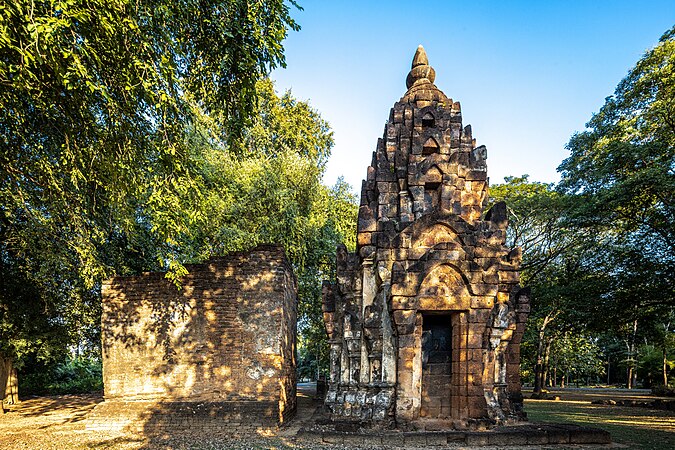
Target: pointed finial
(421, 71)
(420, 58)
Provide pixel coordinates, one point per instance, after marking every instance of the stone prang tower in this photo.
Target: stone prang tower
(425, 319)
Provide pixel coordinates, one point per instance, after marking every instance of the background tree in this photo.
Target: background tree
(552, 257)
(621, 175)
(622, 170)
(598, 250)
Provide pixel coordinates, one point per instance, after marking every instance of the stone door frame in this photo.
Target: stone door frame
(459, 370)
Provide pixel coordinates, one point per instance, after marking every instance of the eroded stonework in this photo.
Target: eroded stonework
(425, 320)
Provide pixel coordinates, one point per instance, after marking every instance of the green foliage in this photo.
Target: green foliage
(267, 189)
(72, 376)
(650, 365)
(136, 136)
(534, 212)
(577, 356)
(599, 248)
(97, 98)
(622, 170)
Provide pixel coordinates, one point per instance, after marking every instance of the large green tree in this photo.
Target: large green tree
(100, 101)
(268, 189)
(622, 169)
(621, 172)
(554, 265)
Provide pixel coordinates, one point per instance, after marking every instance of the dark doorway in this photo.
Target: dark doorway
(436, 365)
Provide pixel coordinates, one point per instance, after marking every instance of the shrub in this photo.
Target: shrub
(74, 376)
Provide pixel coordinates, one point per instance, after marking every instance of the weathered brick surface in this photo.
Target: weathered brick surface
(426, 249)
(221, 349)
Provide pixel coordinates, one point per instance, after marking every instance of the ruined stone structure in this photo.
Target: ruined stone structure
(219, 351)
(425, 319)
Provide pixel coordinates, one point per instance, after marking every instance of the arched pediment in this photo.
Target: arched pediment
(436, 234)
(456, 224)
(444, 289)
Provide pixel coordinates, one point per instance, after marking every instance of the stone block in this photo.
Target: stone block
(523, 307)
(536, 437)
(558, 435)
(364, 238)
(490, 278)
(388, 198)
(478, 175)
(477, 439)
(509, 438)
(405, 321)
(400, 302)
(483, 302)
(474, 341)
(407, 288)
(407, 340)
(478, 315)
(488, 252)
(366, 220)
(589, 436)
(508, 277)
(484, 289)
(415, 439)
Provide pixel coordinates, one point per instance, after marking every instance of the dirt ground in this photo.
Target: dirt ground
(59, 423)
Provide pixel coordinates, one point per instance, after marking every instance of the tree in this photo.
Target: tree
(534, 211)
(621, 173)
(551, 253)
(98, 99)
(269, 190)
(577, 356)
(265, 189)
(622, 169)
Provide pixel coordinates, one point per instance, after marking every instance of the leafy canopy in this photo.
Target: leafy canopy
(97, 98)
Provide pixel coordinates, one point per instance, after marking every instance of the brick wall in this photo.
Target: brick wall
(225, 341)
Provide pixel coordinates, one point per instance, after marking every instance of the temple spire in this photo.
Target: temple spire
(421, 71)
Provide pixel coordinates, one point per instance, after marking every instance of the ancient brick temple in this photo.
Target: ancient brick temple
(218, 352)
(425, 320)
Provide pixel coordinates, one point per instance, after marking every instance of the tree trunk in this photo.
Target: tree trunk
(555, 376)
(539, 367)
(547, 353)
(632, 358)
(12, 389)
(5, 370)
(665, 367)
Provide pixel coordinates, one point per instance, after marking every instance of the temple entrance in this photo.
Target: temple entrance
(436, 366)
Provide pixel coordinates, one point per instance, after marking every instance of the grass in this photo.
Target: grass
(638, 428)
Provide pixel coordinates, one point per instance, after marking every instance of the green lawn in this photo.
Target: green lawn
(639, 428)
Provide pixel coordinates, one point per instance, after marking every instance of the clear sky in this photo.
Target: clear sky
(527, 73)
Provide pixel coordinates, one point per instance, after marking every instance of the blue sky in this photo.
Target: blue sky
(528, 74)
